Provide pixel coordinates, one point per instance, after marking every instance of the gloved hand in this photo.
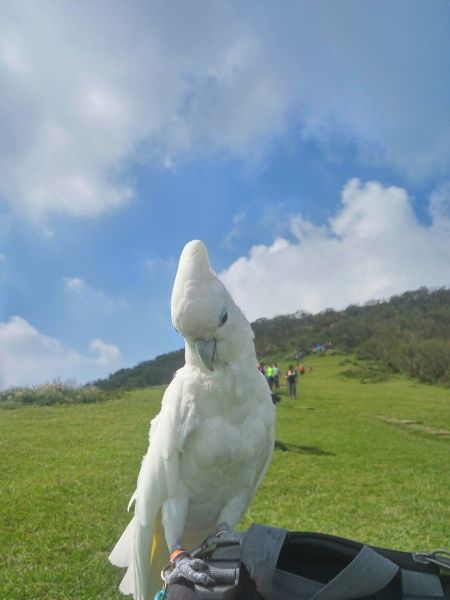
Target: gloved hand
(192, 569)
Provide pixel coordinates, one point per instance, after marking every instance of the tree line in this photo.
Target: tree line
(409, 333)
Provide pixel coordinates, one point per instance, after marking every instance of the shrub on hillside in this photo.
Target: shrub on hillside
(367, 372)
(49, 394)
(429, 361)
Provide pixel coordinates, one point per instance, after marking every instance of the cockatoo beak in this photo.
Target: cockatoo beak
(207, 352)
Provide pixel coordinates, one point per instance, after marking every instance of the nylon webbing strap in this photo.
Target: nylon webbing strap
(420, 585)
(287, 586)
(367, 574)
(259, 553)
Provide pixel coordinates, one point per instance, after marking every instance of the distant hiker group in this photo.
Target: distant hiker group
(318, 348)
(272, 374)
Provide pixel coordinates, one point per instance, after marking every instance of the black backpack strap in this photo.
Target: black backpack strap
(288, 586)
(420, 586)
(367, 574)
(260, 549)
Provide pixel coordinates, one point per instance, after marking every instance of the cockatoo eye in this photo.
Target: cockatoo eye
(223, 317)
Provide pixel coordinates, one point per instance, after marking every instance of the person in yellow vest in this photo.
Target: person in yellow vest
(270, 372)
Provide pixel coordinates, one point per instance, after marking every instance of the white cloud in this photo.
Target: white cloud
(84, 298)
(108, 354)
(30, 357)
(440, 208)
(89, 88)
(372, 248)
(238, 222)
(160, 265)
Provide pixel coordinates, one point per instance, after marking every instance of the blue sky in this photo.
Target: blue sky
(308, 145)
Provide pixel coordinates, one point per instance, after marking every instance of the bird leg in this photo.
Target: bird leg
(185, 567)
(231, 513)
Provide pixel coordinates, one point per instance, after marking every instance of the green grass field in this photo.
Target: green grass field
(67, 473)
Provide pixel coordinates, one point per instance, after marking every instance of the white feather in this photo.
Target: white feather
(127, 584)
(121, 556)
(212, 441)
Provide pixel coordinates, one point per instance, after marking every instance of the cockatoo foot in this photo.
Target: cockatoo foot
(194, 570)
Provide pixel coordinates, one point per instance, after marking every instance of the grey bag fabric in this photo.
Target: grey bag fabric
(274, 564)
(420, 585)
(366, 576)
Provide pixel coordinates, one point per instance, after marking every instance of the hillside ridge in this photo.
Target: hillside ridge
(408, 333)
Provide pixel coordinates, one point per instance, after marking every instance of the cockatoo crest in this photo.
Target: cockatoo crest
(203, 311)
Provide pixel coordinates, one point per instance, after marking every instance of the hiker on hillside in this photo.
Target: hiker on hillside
(276, 375)
(291, 378)
(270, 371)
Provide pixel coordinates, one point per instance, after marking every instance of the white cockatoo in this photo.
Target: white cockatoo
(212, 441)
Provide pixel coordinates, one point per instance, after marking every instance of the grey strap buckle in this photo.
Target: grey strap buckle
(441, 558)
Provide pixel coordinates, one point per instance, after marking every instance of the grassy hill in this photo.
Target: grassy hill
(158, 371)
(366, 461)
(409, 333)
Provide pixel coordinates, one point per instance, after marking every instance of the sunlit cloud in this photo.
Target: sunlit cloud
(141, 87)
(29, 357)
(373, 247)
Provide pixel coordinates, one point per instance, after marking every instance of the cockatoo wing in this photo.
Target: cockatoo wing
(269, 448)
(159, 487)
